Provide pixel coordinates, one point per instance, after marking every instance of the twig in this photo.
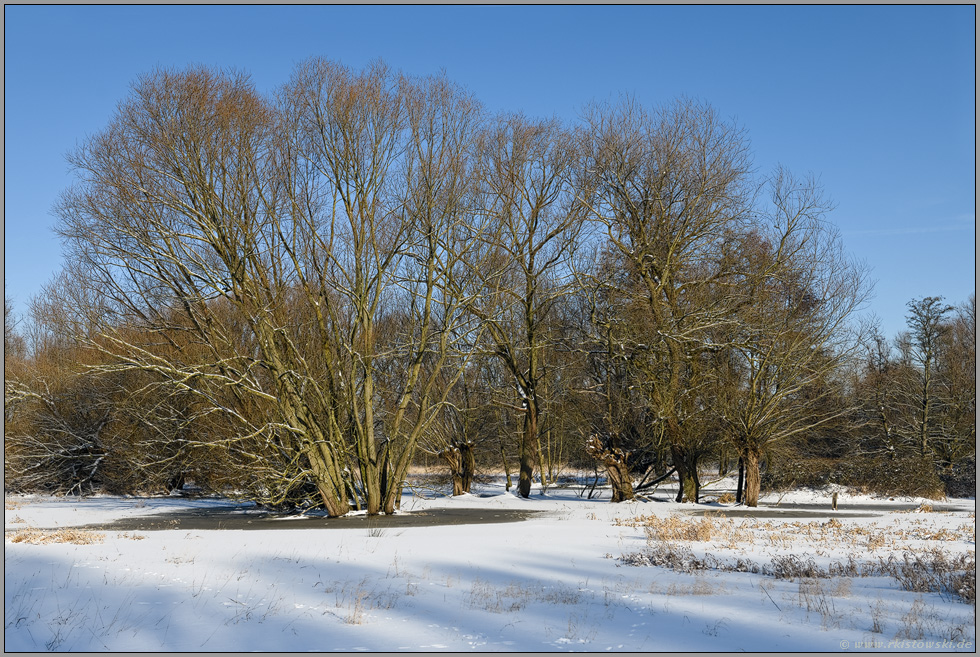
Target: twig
(771, 600)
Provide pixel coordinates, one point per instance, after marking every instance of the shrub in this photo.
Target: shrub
(910, 476)
(960, 479)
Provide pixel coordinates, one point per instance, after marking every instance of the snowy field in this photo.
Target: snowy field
(583, 575)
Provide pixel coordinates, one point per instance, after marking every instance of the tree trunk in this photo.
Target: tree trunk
(619, 479)
(526, 470)
(924, 428)
(528, 441)
(543, 470)
(393, 501)
(503, 458)
(752, 479)
(462, 465)
(468, 465)
(371, 480)
(741, 480)
(689, 488)
(613, 460)
(392, 481)
(335, 491)
(454, 458)
(457, 483)
(335, 508)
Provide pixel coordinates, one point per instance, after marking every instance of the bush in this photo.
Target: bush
(960, 479)
(909, 476)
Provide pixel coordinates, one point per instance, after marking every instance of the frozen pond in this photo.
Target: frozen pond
(248, 518)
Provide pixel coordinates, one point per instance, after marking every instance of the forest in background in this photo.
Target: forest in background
(295, 298)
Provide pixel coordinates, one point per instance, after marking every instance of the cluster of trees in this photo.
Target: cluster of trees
(296, 295)
(917, 394)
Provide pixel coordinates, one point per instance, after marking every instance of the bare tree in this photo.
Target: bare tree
(958, 368)
(299, 282)
(530, 222)
(54, 416)
(877, 389)
(13, 341)
(281, 236)
(921, 395)
(71, 428)
(456, 431)
(13, 355)
(613, 329)
(792, 336)
(667, 186)
(928, 327)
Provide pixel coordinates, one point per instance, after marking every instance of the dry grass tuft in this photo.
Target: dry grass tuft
(515, 596)
(936, 571)
(814, 596)
(793, 566)
(67, 535)
(914, 623)
(929, 570)
(723, 531)
(876, 540)
(674, 557)
(877, 617)
(672, 528)
(678, 529)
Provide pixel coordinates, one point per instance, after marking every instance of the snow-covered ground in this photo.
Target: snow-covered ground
(554, 582)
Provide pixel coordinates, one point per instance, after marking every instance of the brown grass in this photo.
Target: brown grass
(717, 528)
(67, 535)
(917, 567)
(677, 529)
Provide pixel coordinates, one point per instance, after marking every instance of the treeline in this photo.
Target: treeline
(296, 296)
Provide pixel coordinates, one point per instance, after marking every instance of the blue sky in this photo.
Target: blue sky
(877, 101)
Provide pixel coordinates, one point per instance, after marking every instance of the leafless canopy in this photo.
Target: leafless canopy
(305, 244)
(293, 284)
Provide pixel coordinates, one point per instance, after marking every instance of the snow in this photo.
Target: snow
(554, 582)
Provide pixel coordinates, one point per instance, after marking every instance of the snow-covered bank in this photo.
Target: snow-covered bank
(554, 582)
